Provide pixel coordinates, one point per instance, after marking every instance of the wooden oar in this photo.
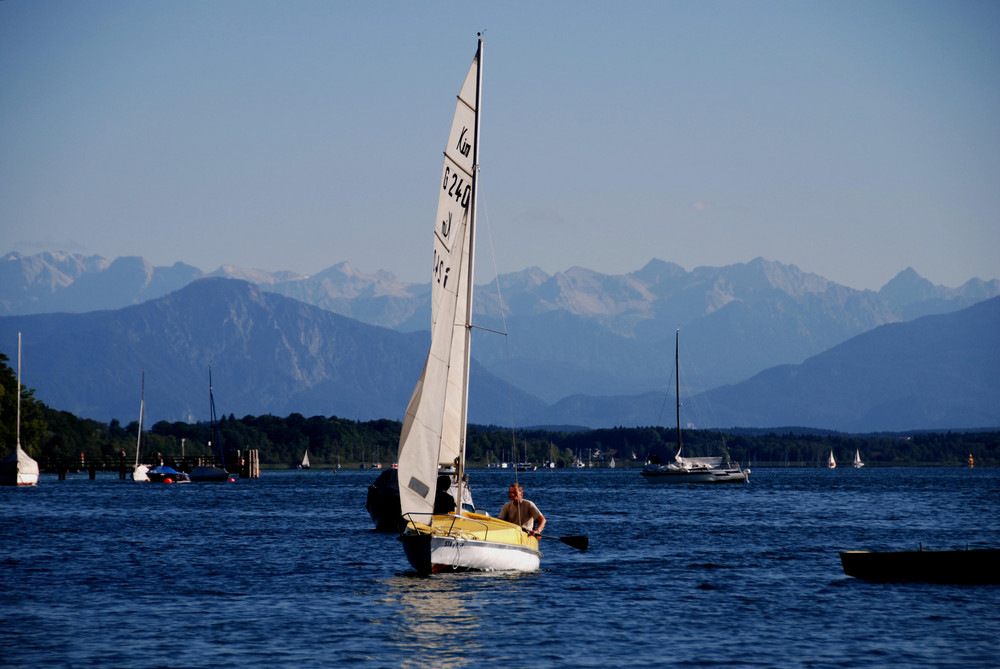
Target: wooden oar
(579, 542)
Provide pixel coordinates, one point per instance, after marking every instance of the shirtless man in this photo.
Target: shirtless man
(522, 512)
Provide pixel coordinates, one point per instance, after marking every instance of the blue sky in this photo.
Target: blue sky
(852, 139)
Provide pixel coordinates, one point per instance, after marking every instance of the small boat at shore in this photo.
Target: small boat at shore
(140, 472)
(963, 567)
(18, 468)
(167, 474)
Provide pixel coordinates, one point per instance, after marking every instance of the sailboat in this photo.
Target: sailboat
(857, 460)
(434, 428)
(691, 470)
(831, 463)
(18, 468)
(140, 472)
(211, 473)
(305, 460)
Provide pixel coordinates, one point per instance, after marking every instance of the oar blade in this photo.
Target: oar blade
(580, 543)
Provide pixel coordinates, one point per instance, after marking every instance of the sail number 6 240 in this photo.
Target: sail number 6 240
(454, 184)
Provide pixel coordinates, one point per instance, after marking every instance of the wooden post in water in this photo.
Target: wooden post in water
(250, 464)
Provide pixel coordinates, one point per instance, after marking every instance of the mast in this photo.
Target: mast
(470, 280)
(214, 428)
(677, 380)
(142, 407)
(18, 430)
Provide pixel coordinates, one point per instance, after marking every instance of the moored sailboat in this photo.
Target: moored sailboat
(691, 470)
(140, 472)
(18, 468)
(212, 473)
(434, 429)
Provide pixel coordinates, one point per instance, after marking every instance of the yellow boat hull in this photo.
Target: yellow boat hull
(470, 542)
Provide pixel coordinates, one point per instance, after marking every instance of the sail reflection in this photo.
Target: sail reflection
(437, 618)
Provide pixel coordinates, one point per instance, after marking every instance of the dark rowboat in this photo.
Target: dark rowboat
(979, 566)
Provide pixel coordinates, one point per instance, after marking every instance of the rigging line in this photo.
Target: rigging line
(666, 395)
(704, 410)
(480, 327)
(503, 320)
(493, 257)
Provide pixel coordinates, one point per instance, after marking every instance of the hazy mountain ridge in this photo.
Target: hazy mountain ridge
(573, 332)
(937, 372)
(67, 282)
(268, 353)
(272, 354)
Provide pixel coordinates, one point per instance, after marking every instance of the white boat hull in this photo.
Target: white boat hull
(443, 554)
(470, 542)
(706, 476)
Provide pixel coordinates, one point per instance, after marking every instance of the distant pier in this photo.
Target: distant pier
(248, 467)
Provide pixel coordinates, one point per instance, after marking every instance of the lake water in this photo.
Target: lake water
(285, 571)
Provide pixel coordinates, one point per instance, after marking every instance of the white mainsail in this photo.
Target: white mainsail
(434, 428)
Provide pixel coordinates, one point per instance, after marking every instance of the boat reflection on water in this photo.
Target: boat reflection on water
(438, 618)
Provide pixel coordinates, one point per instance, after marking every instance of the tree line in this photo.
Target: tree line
(282, 441)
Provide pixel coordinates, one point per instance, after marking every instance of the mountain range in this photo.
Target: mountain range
(268, 355)
(584, 348)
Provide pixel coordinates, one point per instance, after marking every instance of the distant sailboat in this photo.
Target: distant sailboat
(18, 468)
(305, 460)
(211, 473)
(857, 460)
(140, 472)
(691, 470)
(831, 463)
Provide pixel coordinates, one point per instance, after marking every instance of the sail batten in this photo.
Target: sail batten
(433, 431)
